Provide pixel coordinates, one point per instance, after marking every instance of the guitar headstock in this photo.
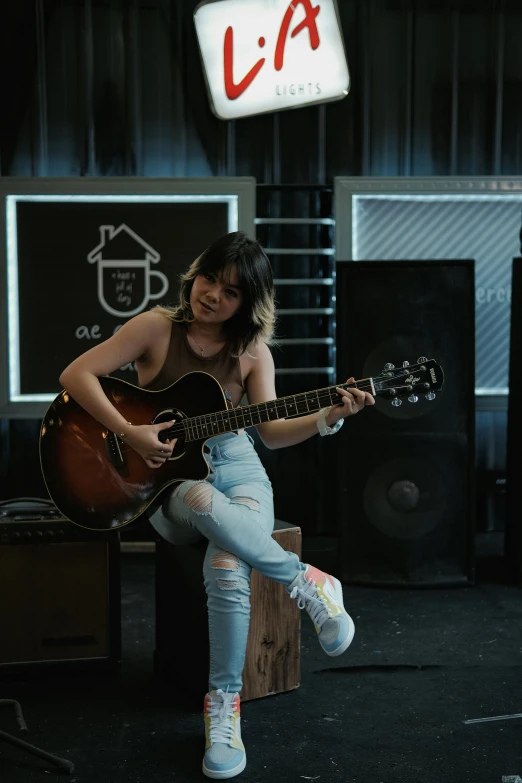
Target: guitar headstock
(424, 377)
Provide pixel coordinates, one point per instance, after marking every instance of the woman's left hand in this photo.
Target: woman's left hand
(353, 401)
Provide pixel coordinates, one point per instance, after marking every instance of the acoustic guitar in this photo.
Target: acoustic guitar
(99, 482)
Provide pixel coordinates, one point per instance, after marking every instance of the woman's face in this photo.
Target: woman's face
(212, 299)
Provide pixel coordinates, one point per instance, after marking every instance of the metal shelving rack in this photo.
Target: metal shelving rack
(302, 253)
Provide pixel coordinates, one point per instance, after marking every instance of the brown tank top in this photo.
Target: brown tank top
(181, 359)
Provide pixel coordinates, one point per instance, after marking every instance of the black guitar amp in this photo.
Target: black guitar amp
(59, 591)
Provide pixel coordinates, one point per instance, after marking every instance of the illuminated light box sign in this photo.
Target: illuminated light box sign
(405, 218)
(261, 56)
(81, 258)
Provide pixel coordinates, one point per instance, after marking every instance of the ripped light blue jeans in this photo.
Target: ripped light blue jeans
(233, 509)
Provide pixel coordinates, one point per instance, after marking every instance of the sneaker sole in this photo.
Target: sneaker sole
(223, 774)
(351, 627)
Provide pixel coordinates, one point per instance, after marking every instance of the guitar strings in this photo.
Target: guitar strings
(303, 397)
(247, 411)
(279, 404)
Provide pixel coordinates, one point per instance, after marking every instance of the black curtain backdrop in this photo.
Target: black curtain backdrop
(116, 88)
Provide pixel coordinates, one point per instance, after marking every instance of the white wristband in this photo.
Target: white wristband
(323, 427)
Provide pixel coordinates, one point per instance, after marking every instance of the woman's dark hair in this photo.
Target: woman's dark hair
(255, 319)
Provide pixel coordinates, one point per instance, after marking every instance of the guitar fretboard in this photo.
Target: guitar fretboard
(200, 427)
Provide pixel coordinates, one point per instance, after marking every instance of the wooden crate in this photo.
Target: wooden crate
(273, 659)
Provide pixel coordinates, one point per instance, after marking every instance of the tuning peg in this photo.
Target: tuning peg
(421, 360)
(413, 398)
(396, 402)
(389, 366)
(430, 396)
(405, 364)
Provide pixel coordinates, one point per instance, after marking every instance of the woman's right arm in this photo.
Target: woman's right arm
(80, 378)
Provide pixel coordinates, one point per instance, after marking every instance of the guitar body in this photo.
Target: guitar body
(98, 481)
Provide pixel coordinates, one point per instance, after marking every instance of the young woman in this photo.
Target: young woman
(223, 325)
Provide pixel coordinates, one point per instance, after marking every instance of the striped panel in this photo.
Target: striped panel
(484, 229)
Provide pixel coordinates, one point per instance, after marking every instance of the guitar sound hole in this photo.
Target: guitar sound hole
(168, 415)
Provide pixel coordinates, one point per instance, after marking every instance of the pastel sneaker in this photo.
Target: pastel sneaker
(322, 597)
(225, 755)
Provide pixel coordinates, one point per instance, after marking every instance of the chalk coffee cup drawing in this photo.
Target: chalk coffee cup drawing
(125, 283)
(124, 288)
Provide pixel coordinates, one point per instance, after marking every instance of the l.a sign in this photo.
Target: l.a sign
(267, 55)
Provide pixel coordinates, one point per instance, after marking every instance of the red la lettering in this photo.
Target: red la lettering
(232, 89)
(308, 21)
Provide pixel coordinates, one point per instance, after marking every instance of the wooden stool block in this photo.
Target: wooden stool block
(272, 663)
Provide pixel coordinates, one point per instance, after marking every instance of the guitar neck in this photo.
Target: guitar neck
(201, 427)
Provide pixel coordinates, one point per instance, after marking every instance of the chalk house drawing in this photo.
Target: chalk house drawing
(120, 280)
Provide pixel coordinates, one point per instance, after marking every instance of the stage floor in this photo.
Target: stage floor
(390, 710)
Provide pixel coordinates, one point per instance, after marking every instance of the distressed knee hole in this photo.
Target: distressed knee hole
(199, 498)
(250, 502)
(227, 584)
(225, 560)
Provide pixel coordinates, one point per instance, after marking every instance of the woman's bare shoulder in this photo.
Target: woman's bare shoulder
(259, 349)
(152, 322)
(256, 357)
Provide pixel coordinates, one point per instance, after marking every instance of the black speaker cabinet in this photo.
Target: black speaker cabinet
(513, 534)
(407, 473)
(59, 595)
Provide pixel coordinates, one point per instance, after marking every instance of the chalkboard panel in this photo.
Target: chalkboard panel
(79, 266)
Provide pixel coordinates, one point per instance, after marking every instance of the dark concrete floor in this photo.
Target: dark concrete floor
(390, 710)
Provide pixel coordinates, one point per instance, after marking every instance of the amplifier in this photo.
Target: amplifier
(59, 592)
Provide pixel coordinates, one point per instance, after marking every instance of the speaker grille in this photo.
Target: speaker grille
(59, 601)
